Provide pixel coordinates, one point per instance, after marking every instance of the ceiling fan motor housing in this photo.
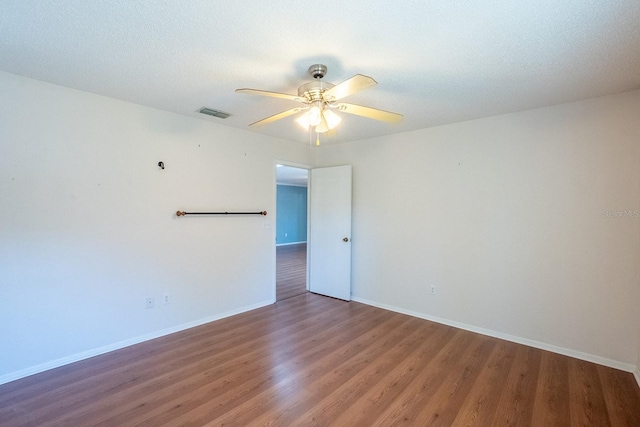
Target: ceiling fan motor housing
(313, 91)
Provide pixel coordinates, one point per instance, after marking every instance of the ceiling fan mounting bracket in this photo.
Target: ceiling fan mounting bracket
(318, 71)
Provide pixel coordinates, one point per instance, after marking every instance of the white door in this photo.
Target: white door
(330, 232)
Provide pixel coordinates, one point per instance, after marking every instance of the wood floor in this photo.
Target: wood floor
(291, 270)
(311, 360)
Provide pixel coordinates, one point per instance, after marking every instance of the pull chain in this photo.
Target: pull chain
(311, 138)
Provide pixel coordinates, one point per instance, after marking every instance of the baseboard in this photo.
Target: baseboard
(291, 243)
(636, 374)
(531, 343)
(126, 343)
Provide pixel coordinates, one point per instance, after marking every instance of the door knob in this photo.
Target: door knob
(346, 239)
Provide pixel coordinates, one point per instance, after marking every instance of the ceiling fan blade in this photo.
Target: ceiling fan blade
(277, 117)
(272, 94)
(371, 113)
(349, 87)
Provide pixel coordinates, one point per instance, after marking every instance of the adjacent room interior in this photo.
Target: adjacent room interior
(291, 231)
(491, 248)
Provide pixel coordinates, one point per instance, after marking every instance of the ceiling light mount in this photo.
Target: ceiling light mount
(318, 71)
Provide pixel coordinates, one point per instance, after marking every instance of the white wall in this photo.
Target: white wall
(509, 218)
(88, 227)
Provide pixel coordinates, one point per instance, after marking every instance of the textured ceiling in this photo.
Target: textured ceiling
(436, 62)
(287, 175)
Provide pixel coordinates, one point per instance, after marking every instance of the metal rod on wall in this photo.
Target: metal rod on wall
(183, 213)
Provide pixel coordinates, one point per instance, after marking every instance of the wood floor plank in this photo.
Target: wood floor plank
(152, 372)
(83, 375)
(332, 399)
(480, 404)
(208, 377)
(381, 396)
(439, 411)
(427, 381)
(311, 360)
(291, 270)
(586, 402)
(623, 401)
(515, 407)
(268, 393)
(551, 406)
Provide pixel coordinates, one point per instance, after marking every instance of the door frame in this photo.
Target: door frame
(308, 168)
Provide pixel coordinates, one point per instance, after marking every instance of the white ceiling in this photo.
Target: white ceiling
(436, 62)
(287, 175)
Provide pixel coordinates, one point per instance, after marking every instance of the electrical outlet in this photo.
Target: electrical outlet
(165, 299)
(149, 303)
(432, 289)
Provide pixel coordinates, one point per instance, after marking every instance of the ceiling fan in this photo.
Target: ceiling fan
(320, 100)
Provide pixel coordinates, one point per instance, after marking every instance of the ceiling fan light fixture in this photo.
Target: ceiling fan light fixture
(321, 128)
(312, 118)
(303, 121)
(332, 119)
(328, 121)
(314, 115)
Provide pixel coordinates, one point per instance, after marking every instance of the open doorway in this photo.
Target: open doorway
(291, 231)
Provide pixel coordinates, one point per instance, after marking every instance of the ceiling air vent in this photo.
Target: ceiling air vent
(214, 113)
